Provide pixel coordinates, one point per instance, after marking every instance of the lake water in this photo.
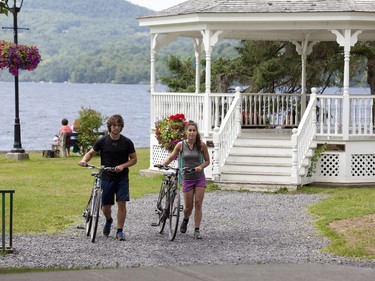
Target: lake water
(43, 105)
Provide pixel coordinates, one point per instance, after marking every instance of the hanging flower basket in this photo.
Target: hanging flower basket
(170, 131)
(18, 57)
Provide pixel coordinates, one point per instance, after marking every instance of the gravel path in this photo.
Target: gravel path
(237, 228)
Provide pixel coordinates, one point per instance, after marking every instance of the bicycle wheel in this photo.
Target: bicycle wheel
(161, 208)
(88, 217)
(95, 214)
(174, 214)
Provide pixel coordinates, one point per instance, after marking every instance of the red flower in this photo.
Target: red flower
(170, 131)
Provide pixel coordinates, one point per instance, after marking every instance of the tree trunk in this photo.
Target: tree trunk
(371, 74)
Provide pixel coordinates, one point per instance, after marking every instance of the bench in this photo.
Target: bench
(59, 146)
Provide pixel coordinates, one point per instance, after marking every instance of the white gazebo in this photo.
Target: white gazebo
(349, 129)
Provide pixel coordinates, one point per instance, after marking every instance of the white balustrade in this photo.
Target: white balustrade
(302, 137)
(271, 110)
(330, 116)
(338, 116)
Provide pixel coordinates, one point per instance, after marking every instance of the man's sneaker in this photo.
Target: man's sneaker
(120, 236)
(107, 227)
(197, 235)
(184, 224)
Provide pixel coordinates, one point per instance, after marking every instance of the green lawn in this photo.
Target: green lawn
(346, 203)
(50, 194)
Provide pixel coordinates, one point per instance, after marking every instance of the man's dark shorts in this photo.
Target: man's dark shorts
(118, 187)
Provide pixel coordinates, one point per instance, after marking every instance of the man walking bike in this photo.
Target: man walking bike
(117, 151)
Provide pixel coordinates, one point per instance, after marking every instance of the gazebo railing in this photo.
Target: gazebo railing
(303, 137)
(191, 105)
(330, 116)
(166, 104)
(225, 135)
(271, 110)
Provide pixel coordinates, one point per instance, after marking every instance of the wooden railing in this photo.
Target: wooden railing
(271, 110)
(303, 137)
(224, 137)
(191, 105)
(331, 117)
(328, 116)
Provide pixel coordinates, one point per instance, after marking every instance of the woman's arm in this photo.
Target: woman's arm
(206, 157)
(173, 155)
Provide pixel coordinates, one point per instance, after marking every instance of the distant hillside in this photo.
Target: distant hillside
(83, 41)
(91, 41)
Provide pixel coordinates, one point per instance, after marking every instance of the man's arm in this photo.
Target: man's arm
(87, 157)
(131, 162)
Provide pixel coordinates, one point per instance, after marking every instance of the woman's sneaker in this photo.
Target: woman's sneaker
(197, 235)
(107, 227)
(184, 224)
(120, 236)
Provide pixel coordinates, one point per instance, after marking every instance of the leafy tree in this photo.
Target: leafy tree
(366, 51)
(4, 8)
(182, 75)
(272, 66)
(89, 121)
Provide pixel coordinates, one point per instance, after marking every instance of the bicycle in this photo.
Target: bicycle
(92, 210)
(168, 206)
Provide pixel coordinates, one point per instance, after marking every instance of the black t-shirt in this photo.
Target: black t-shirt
(114, 153)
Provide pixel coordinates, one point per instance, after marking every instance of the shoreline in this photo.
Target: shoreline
(41, 150)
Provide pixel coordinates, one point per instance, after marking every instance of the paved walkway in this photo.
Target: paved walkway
(258, 272)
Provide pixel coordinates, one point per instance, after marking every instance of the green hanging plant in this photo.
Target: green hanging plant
(18, 57)
(315, 158)
(170, 131)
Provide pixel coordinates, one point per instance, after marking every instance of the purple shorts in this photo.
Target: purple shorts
(189, 185)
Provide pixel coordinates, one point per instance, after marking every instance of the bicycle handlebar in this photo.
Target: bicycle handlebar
(101, 168)
(167, 167)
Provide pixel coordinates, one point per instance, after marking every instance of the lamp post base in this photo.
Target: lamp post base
(17, 156)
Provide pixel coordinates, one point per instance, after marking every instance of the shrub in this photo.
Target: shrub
(90, 122)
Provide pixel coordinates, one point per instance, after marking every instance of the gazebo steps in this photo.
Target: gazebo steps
(259, 159)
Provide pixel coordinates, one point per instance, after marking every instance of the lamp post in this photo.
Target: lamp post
(17, 152)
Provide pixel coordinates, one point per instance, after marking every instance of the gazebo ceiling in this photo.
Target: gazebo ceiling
(266, 19)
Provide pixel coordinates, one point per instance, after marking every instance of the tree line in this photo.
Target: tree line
(79, 44)
(275, 66)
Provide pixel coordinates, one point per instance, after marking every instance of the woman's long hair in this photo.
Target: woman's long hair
(198, 140)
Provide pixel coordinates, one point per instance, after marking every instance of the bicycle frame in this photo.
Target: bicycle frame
(168, 206)
(92, 210)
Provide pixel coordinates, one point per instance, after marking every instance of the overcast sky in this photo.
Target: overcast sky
(156, 5)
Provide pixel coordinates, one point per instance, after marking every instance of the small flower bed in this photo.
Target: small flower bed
(170, 131)
(16, 57)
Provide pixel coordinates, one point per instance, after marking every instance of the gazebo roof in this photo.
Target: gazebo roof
(267, 6)
(266, 19)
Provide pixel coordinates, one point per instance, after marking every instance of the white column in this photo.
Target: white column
(294, 174)
(238, 112)
(346, 39)
(209, 40)
(216, 170)
(304, 49)
(197, 50)
(154, 38)
(157, 41)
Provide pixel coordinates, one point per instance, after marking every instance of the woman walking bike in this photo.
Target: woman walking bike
(194, 155)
